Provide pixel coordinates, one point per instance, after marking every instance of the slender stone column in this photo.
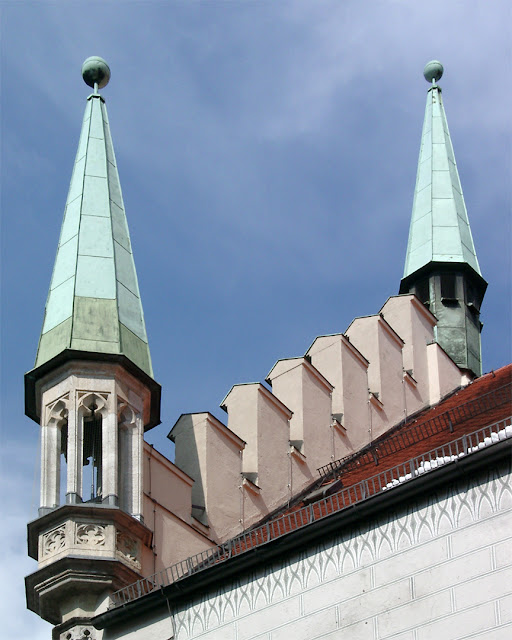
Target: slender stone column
(125, 469)
(75, 454)
(137, 437)
(50, 467)
(130, 462)
(110, 491)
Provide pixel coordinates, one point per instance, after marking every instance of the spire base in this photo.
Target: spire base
(36, 378)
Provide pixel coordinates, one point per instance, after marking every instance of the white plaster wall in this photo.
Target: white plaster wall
(415, 325)
(147, 627)
(173, 539)
(382, 347)
(444, 374)
(166, 507)
(346, 369)
(223, 479)
(439, 568)
(165, 484)
(303, 389)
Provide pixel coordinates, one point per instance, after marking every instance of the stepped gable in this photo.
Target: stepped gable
(485, 406)
(324, 406)
(485, 401)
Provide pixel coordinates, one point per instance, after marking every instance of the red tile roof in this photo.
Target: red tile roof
(486, 400)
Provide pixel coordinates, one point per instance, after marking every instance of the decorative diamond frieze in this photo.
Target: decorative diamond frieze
(440, 514)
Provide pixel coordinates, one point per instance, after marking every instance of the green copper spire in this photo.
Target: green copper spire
(94, 303)
(439, 230)
(441, 267)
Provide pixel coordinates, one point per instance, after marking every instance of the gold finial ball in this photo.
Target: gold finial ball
(96, 70)
(433, 71)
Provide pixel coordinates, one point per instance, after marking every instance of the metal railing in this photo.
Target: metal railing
(410, 434)
(291, 521)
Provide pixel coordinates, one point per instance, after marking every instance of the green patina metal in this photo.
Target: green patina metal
(94, 302)
(439, 230)
(441, 266)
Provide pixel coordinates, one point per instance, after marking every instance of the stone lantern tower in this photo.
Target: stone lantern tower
(93, 394)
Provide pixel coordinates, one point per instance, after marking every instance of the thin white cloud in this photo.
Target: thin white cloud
(18, 508)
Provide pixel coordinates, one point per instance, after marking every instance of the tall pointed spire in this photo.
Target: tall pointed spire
(94, 303)
(94, 311)
(92, 392)
(439, 229)
(441, 265)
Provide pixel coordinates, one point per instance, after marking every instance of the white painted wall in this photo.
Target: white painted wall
(440, 568)
(305, 391)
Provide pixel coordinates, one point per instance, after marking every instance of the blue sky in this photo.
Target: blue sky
(267, 153)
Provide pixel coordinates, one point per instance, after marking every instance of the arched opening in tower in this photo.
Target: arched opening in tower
(63, 461)
(92, 456)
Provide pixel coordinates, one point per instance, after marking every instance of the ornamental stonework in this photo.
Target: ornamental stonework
(92, 535)
(57, 411)
(92, 401)
(128, 548)
(54, 541)
(126, 415)
(79, 633)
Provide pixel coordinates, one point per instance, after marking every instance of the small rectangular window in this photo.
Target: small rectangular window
(448, 286)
